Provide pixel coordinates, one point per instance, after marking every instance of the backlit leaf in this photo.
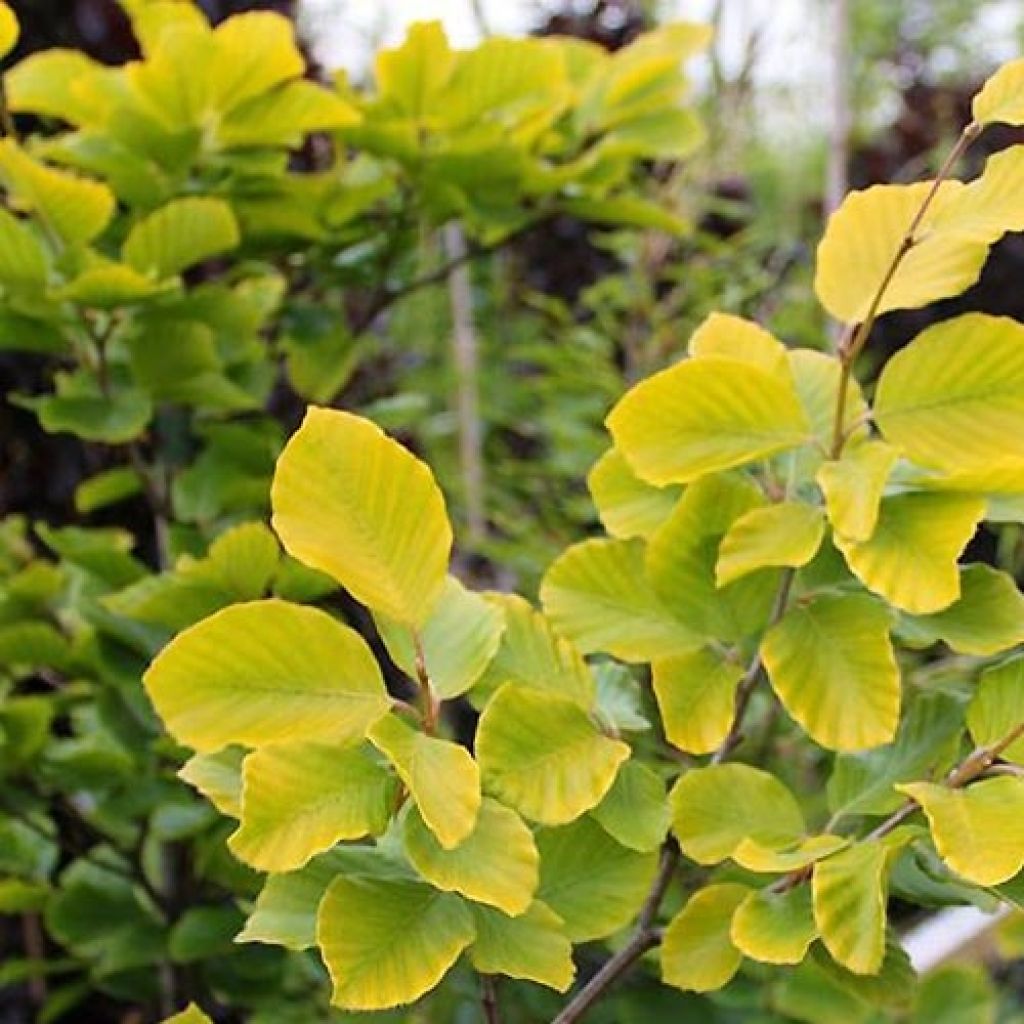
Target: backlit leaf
(997, 707)
(732, 337)
(355, 504)
(218, 777)
(775, 928)
(179, 235)
(853, 487)
(266, 672)
(697, 953)
(1002, 96)
(628, 506)
(787, 534)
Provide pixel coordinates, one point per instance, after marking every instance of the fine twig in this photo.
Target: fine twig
(489, 999)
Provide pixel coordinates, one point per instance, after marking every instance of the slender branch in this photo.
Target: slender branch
(645, 937)
(489, 999)
(853, 343)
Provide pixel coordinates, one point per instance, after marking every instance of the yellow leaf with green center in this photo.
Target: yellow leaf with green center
(787, 534)
(1001, 99)
(696, 695)
(775, 928)
(597, 594)
(991, 205)
(218, 777)
(682, 554)
(997, 707)
(353, 503)
(9, 30)
(697, 954)
(496, 864)
(863, 237)
(986, 619)
(911, 558)
(849, 891)
(853, 487)
(542, 755)
(978, 831)
(705, 415)
(532, 946)
(266, 672)
(595, 884)
(732, 337)
(300, 799)
(635, 811)
(442, 778)
(717, 807)
(179, 235)
(756, 856)
(953, 399)
(386, 942)
(831, 662)
(459, 640)
(628, 506)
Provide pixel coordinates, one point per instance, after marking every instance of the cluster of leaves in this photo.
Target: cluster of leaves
(765, 519)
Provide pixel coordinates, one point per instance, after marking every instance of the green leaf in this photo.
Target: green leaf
(911, 558)
(412, 75)
(532, 946)
(716, 807)
(300, 799)
(697, 954)
(285, 116)
(696, 697)
(355, 504)
(927, 741)
(442, 778)
(496, 864)
(997, 707)
(628, 507)
(705, 415)
(775, 928)
(986, 619)
(597, 594)
(832, 665)
(787, 534)
(682, 555)
(23, 262)
(849, 905)
(542, 755)
(853, 488)
(218, 777)
(179, 235)
(956, 994)
(627, 211)
(459, 640)
(953, 399)
(978, 831)
(634, 811)
(203, 933)
(594, 884)
(387, 942)
(863, 237)
(117, 419)
(1002, 96)
(266, 672)
(106, 488)
(73, 208)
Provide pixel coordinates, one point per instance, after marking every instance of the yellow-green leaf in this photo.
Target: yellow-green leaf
(593, 883)
(775, 928)
(286, 115)
(769, 860)
(353, 503)
(9, 30)
(300, 799)
(853, 487)
(218, 777)
(442, 778)
(55, 83)
(732, 337)
(635, 811)
(255, 52)
(496, 864)
(978, 831)
(849, 891)
(696, 697)
(266, 672)
(705, 415)
(1002, 96)
(542, 755)
(997, 707)
(111, 285)
(832, 665)
(179, 235)
(715, 808)
(190, 1015)
(459, 640)
(22, 256)
(816, 377)
(863, 237)
(786, 534)
(911, 558)
(597, 594)
(682, 554)
(386, 942)
(628, 506)
(532, 946)
(991, 205)
(953, 399)
(697, 954)
(411, 75)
